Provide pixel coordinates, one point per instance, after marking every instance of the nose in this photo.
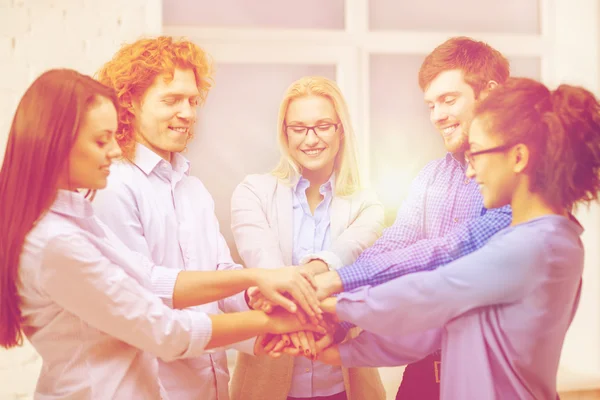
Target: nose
(311, 138)
(114, 150)
(187, 111)
(438, 114)
(470, 170)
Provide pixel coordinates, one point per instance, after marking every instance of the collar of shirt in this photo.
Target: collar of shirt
(72, 204)
(451, 158)
(301, 184)
(147, 161)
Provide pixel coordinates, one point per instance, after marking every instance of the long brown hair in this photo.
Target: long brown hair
(43, 132)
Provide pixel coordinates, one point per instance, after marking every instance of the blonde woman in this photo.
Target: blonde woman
(309, 212)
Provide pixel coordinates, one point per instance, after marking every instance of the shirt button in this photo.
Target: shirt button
(467, 181)
(307, 370)
(455, 219)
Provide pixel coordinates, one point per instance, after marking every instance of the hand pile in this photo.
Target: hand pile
(309, 311)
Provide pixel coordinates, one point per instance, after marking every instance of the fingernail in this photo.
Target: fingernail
(307, 352)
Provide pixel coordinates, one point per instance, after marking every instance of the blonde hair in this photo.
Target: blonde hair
(347, 180)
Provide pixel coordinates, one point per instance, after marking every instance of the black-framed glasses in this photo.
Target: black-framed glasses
(322, 130)
(470, 155)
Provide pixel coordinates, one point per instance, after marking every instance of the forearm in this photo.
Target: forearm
(193, 288)
(236, 327)
(371, 350)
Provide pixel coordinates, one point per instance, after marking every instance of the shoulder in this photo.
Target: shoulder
(54, 235)
(261, 185)
(124, 179)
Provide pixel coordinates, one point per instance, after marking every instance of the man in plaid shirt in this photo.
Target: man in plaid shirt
(443, 217)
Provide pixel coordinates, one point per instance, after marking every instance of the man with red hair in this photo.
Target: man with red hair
(443, 217)
(155, 206)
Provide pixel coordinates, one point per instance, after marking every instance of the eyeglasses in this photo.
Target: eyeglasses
(321, 130)
(470, 155)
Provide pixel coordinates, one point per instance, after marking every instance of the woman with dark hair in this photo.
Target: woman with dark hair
(68, 284)
(500, 314)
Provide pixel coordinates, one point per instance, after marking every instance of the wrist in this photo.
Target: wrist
(253, 276)
(332, 283)
(262, 320)
(316, 266)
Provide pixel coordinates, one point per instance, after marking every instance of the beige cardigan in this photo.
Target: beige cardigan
(261, 220)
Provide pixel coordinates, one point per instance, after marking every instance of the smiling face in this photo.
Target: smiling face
(451, 101)
(496, 173)
(94, 148)
(315, 150)
(165, 116)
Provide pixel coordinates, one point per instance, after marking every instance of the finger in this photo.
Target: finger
(302, 317)
(295, 339)
(311, 295)
(298, 293)
(324, 342)
(279, 347)
(267, 307)
(257, 304)
(304, 343)
(314, 328)
(272, 343)
(292, 351)
(310, 278)
(281, 300)
(259, 344)
(312, 344)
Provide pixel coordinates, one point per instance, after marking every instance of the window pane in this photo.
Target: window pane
(511, 16)
(310, 14)
(236, 129)
(402, 138)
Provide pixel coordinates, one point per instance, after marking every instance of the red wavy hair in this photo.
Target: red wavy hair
(134, 68)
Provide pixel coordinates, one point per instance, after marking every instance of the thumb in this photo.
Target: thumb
(282, 301)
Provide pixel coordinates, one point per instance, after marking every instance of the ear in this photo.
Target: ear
(491, 85)
(520, 154)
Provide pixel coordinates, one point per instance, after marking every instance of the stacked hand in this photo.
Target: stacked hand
(310, 343)
(286, 287)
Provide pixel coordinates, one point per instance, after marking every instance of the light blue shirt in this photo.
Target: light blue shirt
(312, 233)
(499, 314)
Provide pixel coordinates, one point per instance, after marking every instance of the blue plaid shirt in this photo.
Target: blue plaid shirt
(441, 220)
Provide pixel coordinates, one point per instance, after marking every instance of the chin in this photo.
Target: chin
(459, 145)
(101, 184)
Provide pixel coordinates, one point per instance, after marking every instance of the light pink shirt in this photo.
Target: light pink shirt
(88, 310)
(161, 211)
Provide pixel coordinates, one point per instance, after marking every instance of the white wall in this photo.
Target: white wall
(363, 53)
(36, 35)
